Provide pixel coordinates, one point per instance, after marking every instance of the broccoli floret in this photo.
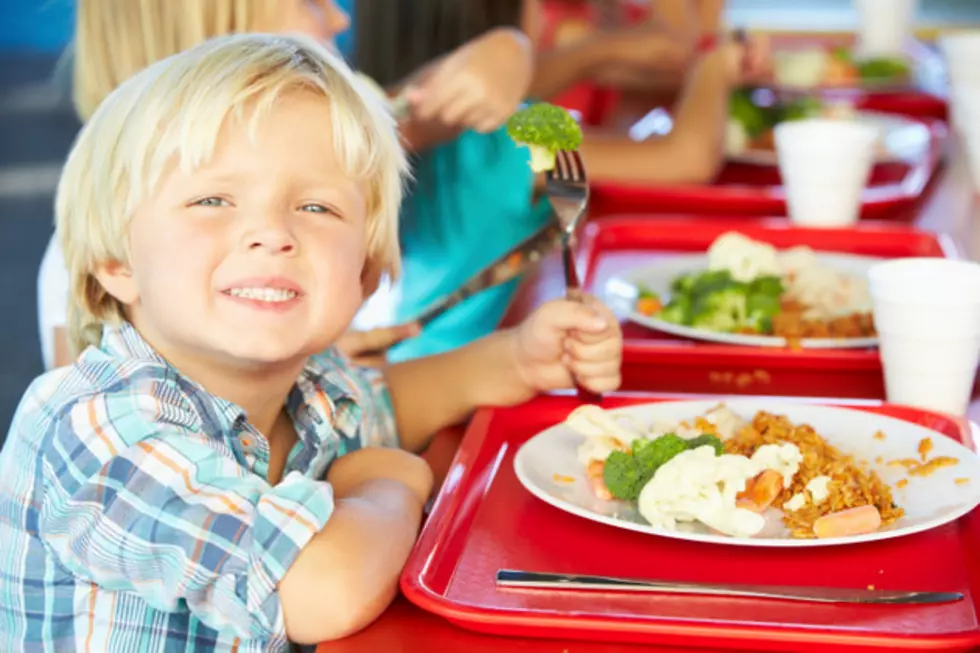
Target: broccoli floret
(724, 310)
(653, 453)
(684, 283)
(772, 286)
(879, 68)
(544, 129)
(643, 292)
(842, 53)
(806, 107)
(707, 439)
(760, 310)
(758, 304)
(721, 322)
(711, 281)
(747, 113)
(677, 310)
(624, 476)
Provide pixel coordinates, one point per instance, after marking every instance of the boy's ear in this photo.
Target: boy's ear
(117, 279)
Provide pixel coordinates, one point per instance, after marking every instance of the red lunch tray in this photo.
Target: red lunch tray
(484, 520)
(660, 362)
(913, 101)
(741, 189)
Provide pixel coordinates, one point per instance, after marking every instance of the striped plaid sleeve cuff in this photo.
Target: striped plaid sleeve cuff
(287, 518)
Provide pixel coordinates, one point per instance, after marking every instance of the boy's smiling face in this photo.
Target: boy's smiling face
(255, 257)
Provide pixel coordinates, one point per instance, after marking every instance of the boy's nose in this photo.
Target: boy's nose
(275, 239)
(274, 245)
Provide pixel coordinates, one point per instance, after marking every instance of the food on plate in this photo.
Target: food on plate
(751, 288)
(544, 129)
(730, 474)
(828, 481)
(923, 465)
(837, 67)
(754, 113)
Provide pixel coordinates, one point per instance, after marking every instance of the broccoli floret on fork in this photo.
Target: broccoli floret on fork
(544, 129)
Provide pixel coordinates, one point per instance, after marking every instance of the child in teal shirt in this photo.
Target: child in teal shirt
(471, 203)
(471, 197)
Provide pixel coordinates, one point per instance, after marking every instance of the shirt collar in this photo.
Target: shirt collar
(314, 394)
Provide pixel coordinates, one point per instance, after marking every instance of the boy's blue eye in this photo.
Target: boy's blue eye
(211, 201)
(314, 208)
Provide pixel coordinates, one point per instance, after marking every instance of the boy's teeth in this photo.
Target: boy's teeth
(264, 294)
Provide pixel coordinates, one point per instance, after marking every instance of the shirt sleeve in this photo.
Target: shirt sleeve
(133, 503)
(377, 427)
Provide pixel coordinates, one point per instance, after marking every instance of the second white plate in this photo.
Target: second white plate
(621, 291)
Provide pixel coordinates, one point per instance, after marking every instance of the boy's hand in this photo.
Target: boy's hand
(376, 463)
(477, 86)
(565, 342)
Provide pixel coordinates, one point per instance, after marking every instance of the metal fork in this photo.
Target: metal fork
(567, 187)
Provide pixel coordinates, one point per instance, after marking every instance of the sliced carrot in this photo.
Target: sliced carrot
(648, 305)
(594, 473)
(853, 521)
(839, 73)
(760, 491)
(925, 446)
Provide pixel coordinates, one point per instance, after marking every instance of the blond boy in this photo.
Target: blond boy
(199, 479)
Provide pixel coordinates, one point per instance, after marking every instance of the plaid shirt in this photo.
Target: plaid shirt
(135, 514)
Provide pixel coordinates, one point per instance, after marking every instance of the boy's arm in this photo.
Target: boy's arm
(434, 392)
(220, 540)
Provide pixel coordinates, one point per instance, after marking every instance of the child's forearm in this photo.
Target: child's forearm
(609, 60)
(434, 392)
(348, 573)
(694, 147)
(557, 70)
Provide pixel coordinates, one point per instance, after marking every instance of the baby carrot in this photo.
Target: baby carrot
(853, 521)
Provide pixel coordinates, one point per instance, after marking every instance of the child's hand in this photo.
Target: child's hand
(368, 348)
(748, 62)
(565, 342)
(376, 463)
(477, 86)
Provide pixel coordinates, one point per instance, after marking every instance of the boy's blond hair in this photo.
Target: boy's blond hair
(115, 39)
(173, 111)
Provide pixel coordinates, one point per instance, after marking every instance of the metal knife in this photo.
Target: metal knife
(541, 580)
(507, 267)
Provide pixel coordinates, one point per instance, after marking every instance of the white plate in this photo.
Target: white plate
(900, 139)
(621, 292)
(928, 501)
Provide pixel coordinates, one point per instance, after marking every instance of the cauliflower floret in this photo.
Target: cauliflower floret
(745, 259)
(697, 485)
(819, 488)
(784, 458)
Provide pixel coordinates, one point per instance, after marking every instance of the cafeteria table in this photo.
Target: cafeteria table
(950, 207)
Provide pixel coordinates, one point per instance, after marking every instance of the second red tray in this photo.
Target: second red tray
(484, 520)
(740, 189)
(659, 362)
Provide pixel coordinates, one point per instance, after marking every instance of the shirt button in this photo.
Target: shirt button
(246, 442)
